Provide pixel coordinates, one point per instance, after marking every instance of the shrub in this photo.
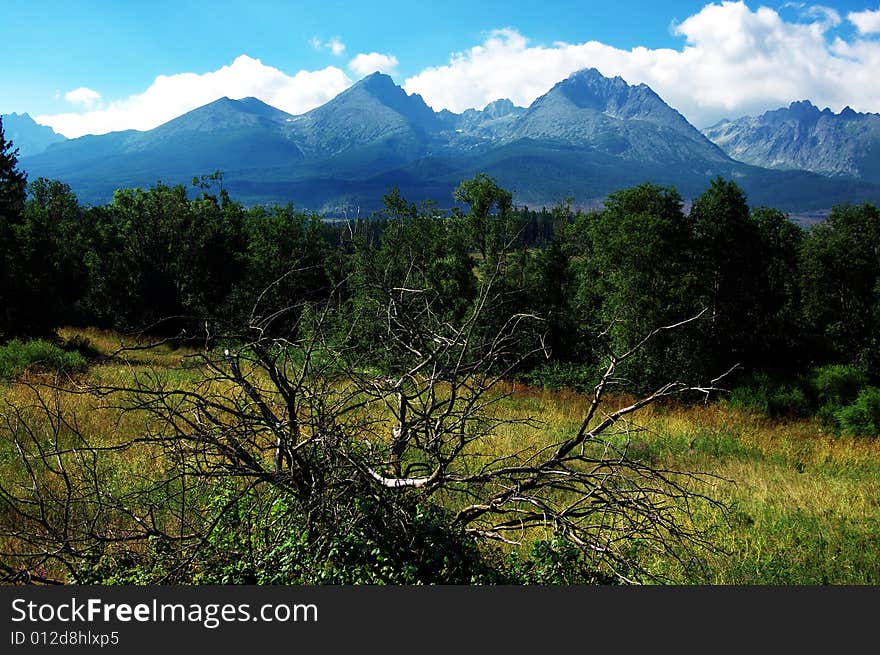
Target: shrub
(17, 355)
(862, 416)
(418, 545)
(266, 539)
(837, 384)
(563, 375)
(833, 387)
(771, 396)
(553, 561)
(83, 346)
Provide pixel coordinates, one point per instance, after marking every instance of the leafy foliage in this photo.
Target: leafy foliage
(840, 282)
(862, 416)
(17, 355)
(628, 287)
(772, 396)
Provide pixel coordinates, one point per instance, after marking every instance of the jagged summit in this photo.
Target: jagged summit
(500, 107)
(803, 137)
(373, 105)
(29, 137)
(377, 82)
(608, 114)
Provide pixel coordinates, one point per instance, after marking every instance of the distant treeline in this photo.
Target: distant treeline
(770, 295)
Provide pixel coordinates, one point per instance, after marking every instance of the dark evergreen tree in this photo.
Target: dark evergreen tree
(12, 199)
(491, 219)
(284, 265)
(496, 228)
(553, 293)
(158, 258)
(13, 182)
(423, 259)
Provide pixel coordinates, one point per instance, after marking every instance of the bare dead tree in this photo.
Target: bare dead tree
(304, 417)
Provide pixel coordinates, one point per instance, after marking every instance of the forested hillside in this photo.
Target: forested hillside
(167, 259)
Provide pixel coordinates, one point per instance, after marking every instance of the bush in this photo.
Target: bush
(563, 375)
(17, 355)
(771, 396)
(823, 392)
(833, 387)
(83, 346)
(554, 561)
(861, 417)
(837, 384)
(417, 546)
(265, 540)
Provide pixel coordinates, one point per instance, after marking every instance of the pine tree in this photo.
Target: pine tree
(12, 182)
(12, 199)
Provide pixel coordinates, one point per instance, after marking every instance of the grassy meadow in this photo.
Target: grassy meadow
(803, 504)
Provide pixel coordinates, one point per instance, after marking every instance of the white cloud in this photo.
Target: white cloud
(825, 15)
(734, 61)
(83, 96)
(170, 96)
(334, 45)
(866, 22)
(366, 63)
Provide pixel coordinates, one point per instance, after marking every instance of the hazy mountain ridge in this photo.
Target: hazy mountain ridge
(29, 136)
(802, 137)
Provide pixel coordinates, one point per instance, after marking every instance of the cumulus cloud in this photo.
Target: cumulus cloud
(366, 63)
(866, 22)
(734, 61)
(170, 96)
(334, 45)
(83, 96)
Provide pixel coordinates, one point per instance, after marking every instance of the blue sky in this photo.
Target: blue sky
(92, 66)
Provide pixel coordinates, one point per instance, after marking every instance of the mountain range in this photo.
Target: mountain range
(587, 136)
(800, 137)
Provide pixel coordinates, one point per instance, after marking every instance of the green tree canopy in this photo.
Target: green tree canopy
(841, 284)
(728, 266)
(635, 276)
